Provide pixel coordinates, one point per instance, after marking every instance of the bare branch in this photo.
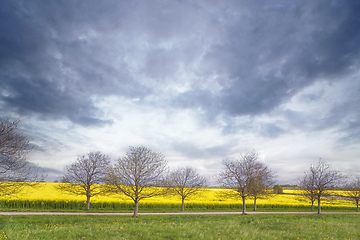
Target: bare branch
(185, 182)
(353, 191)
(138, 175)
(15, 171)
(245, 177)
(86, 175)
(317, 182)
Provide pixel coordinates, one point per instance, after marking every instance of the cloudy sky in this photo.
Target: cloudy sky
(199, 81)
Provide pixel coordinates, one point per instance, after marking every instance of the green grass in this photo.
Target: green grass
(71, 206)
(268, 226)
(275, 208)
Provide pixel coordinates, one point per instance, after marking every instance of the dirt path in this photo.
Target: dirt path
(175, 213)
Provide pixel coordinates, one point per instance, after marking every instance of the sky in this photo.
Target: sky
(199, 81)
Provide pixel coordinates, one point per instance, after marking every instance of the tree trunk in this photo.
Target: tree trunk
(254, 203)
(183, 204)
(244, 206)
(312, 204)
(87, 202)
(319, 206)
(357, 206)
(136, 208)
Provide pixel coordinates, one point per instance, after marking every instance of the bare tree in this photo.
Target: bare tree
(318, 180)
(85, 175)
(353, 189)
(185, 182)
(263, 179)
(138, 175)
(277, 189)
(239, 177)
(15, 171)
(308, 188)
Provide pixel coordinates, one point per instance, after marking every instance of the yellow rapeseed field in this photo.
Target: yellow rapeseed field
(48, 192)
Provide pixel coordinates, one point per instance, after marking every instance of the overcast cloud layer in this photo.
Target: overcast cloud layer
(199, 81)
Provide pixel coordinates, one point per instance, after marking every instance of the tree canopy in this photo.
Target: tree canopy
(244, 177)
(15, 171)
(139, 174)
(185, 182)
(84, 176)
(318, 180)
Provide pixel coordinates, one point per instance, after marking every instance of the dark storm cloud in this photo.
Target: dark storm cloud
(274, 52)
(271, 52)
(51, 68)
(47, 100)
(245, 58)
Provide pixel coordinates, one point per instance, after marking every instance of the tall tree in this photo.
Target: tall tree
(85, 176)
(308, 188)
(261, 182)
(185, 182)
(318, 180)
(138, 175)
(15, 171)
(353, 191)
(240, 177)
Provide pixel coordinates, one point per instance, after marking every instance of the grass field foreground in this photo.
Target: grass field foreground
(269, 226)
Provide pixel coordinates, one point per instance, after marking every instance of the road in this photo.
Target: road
(174, 213)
